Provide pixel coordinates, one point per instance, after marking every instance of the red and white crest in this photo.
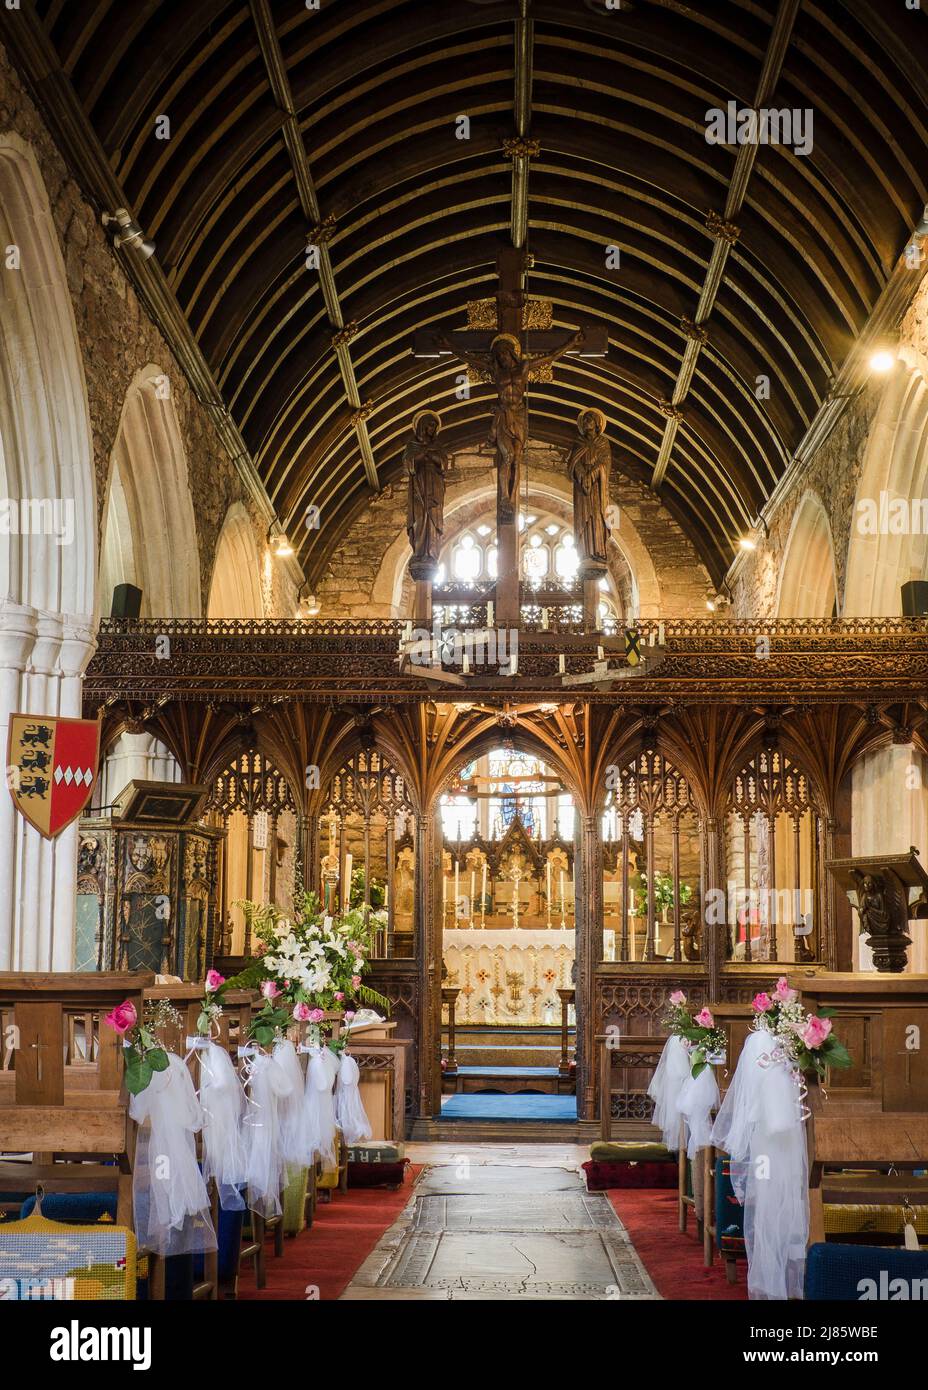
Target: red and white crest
(51, 768)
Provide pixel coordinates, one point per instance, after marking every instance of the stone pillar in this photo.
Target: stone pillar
(42, 657)
(429, 945)
(134, 758)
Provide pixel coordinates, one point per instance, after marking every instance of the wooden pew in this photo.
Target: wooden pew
(631, 1052)
(848, 1139)
(876, 1015)
(45, 1108)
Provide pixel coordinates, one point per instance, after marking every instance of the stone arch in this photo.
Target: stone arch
(808, 585)
(48, 551)
(235, 590)
(149, 529)
(893, 482)
(632, 565)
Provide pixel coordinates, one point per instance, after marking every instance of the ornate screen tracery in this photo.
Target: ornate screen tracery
(652, 862)
(774, 861)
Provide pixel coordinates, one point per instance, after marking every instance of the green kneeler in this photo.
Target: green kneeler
(295, 1201)
(630, 1151)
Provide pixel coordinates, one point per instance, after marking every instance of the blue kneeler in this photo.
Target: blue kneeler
(863, 1273)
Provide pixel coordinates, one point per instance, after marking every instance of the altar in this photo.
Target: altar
(508, 975)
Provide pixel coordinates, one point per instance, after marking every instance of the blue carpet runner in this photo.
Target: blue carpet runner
(470, 1107)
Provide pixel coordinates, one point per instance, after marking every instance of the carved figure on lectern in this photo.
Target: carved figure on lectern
(589, 464)
(426, 464)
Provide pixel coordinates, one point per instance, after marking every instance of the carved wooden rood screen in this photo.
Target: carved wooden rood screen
(647, 800)
(367, 857)
(774, 890)
(251, 786)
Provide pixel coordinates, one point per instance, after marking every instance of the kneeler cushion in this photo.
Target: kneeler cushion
(600, 1176)
(835, 1272)
(377, 1174)
(631, 1151)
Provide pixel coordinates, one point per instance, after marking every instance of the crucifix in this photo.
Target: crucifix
(495, 346)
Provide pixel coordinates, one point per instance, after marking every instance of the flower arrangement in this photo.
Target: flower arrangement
(806, 1040)
(307, 965)
(663, 892)
(705, 1042)
(142, 1052)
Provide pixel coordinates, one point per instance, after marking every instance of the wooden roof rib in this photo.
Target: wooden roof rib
(283, 119)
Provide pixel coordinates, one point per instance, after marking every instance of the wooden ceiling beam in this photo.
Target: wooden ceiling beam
(318, 234)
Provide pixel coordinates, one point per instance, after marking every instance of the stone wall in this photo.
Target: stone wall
(833, 474)
(118, 338)
(364, 575)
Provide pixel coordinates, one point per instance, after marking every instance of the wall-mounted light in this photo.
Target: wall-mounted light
(129, 233)
(278, 541)
(881, 361)
(309, 605)
(747, 543)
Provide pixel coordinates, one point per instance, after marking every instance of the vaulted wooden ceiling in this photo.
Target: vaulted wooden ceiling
(284, 119)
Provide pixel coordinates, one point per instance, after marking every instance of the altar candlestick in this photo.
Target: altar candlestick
(457, 871)
(490, 613)
(548, 885)
(346, 891)
(483, 896)
(472, 878)
(562, 665)
(444, 898)
(562, 897)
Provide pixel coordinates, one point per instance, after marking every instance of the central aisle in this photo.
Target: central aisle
(489, 1221)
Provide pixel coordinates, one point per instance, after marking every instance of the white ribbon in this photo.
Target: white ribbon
(170, 1199)
(223, 1103)
(760, 1126)
(350, 1115)
(671, 1072)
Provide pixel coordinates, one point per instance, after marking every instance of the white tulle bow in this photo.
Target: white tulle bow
(670, 1074)
(319, 1104)
(170, 1199)
(699, 1096)
(350, 1115)
(760, 1126)
(294, 1125)
(223, 1102)
(267, 1084)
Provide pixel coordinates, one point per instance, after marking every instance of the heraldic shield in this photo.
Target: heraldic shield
(51, 768)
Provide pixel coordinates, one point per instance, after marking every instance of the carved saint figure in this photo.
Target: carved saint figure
(875, 917)
(589, 464)
(426, 463)
(509, 371)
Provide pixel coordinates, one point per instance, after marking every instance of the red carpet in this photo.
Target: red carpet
(674, 1261)
(342, 1236)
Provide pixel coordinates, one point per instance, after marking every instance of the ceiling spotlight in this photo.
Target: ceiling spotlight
(882, 361)
(747, 543)
(129, 233)
(308, 603)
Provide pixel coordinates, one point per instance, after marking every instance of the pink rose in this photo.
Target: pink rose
(678, 998)
(355, 981)
(784, 994)
(817, 1030)
(761, 1003)
(123, 1017)
(301, 1012)
(269, 989)
(339, 995)
(704, 1018)
(214, 980)
(349, 1015)
(316, 1015)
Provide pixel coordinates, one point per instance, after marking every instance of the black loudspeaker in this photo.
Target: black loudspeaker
(127, 602)
(915, 599)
